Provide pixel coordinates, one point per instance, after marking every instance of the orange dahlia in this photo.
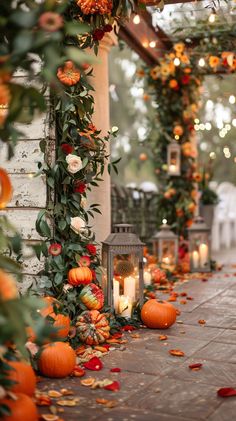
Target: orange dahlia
(214, 61)
(68, 74)
(89, 7)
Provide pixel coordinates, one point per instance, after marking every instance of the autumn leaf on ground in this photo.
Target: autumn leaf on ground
(172, 298)
(94, 364)
(115, 370)
(114, 387)
(190, 298)
(183, 294)
(135, 336)
(163, 337)
(195, 367)
(176, 352)
(65, 402)
(202, 322)
(49, 417)
(54, 394)
(128, 328)
(78, 371)
(87, 382)
(226, 392)
(43, 400)
(183, 302)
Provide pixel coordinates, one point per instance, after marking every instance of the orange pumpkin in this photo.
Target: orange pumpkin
(158, 314)
(68, 74)
(23, 374)
(8, 288)
(61, 322)
(80, 276)
(57, 360)
(5, 188)
(92, 327)
(22, 408)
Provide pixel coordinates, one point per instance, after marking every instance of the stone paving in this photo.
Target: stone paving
(158, 386)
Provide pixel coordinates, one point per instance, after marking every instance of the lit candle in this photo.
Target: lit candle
(166, 260)
(147, 277)
(173, 168)
(129, 288)
(125, 306)
(195, 258)
(203, 254)
(116, 295)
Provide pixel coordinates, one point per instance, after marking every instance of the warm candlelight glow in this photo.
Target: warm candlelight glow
(116, 295)
(203, 254)
(125, 306)
(129, 288)
(147, 277)
(195, 258)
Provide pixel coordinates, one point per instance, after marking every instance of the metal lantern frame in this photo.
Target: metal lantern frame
(121, 242)
(165, 234)
(174, 149)
(199, 227)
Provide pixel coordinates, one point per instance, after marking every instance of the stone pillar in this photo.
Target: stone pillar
(102, 223)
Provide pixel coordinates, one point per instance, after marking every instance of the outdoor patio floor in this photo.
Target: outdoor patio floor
(155, 385)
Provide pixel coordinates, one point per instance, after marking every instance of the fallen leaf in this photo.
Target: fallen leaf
(117, 335)
(106, 346)
(87, 382)
(43, 400)
(127, 328)
(80, 350)
(183, 294)
(226, 392)
(66, 392)
(78, 371)
(172, 298)
(111, 404)
(176, 352)
(49, 417)
(102, 349)
(202, 322)
(102, 401)
(68, 402)
(113, 386)
(190, 298)
(204, 279)
(94, 364)
(183, 302)
(54, 394)
(115, 370)
(163, 337)
(116, 341)
(195, 367)
(135, 335)
(178, 312)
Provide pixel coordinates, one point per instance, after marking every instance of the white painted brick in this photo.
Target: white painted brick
(28, 191)
(37, 129)
(24, 220)
(27, 155)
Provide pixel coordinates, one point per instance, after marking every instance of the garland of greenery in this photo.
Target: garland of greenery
(175, 84)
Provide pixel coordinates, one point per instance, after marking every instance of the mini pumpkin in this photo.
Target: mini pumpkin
(22, 408)
(61, 322)
(57, 360)
(158, 314)
(8, 288)
(68, 74)
(23, 374)
(80, 276)
(92, 297)
(93, 327)
(5, 188)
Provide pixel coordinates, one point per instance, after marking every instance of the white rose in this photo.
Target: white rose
(77, 224)
(67, 287)
(74, 163)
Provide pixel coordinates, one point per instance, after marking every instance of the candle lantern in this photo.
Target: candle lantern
(122, 261)
(165, 247)
(173, 159)
(199, 246)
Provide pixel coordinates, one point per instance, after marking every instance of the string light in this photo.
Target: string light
(234, 122)
(136, 20)
(212, 155)
(212, 18)
(201, 62)
(145, 44)
(152, 44)
(232, 99)
(164, 221)
(176, 137)
(208, 126)
(196, 120)
(176, 61)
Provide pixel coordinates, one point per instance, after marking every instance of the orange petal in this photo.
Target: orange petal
(177, 352)
(163, 337)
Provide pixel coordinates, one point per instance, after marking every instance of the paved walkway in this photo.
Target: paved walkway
(158, 386)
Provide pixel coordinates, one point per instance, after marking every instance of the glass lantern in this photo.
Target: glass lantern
(173, 159)
(122, 261)
(199, 246)
(165, 247)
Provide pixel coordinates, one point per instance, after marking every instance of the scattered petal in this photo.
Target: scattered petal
(183, 294)
(115, 370)
(117, 335)
(68, 402)
(80, 350)
(43, 400)
(94, 364)
(66, 392)
(195, 367)
(101, 348)
(127, 328)
(111, 404)
(78, 371)
(178, 312)
(135, 335)
(204, 279)
(102, 401)
(49, 417)
(183, 302)
(226, 392)
(190, 298)
(113, 386)
(176, 352)
(202, 322)
(54, 394)
(87, 382)
(172, 298)
(163, 337)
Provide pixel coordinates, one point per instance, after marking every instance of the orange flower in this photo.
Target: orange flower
(184, 58)
(214, 62)
(140, 73)
(179, 212)
(68, 74)
(146, 97)
(155, 72)
(179, 47)
(197, 177)
(194, 194)
(187, 70)
(191, 207)
(189, 223)
(178, 130)
(50, 21)
(89, 7)
(173, 84)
